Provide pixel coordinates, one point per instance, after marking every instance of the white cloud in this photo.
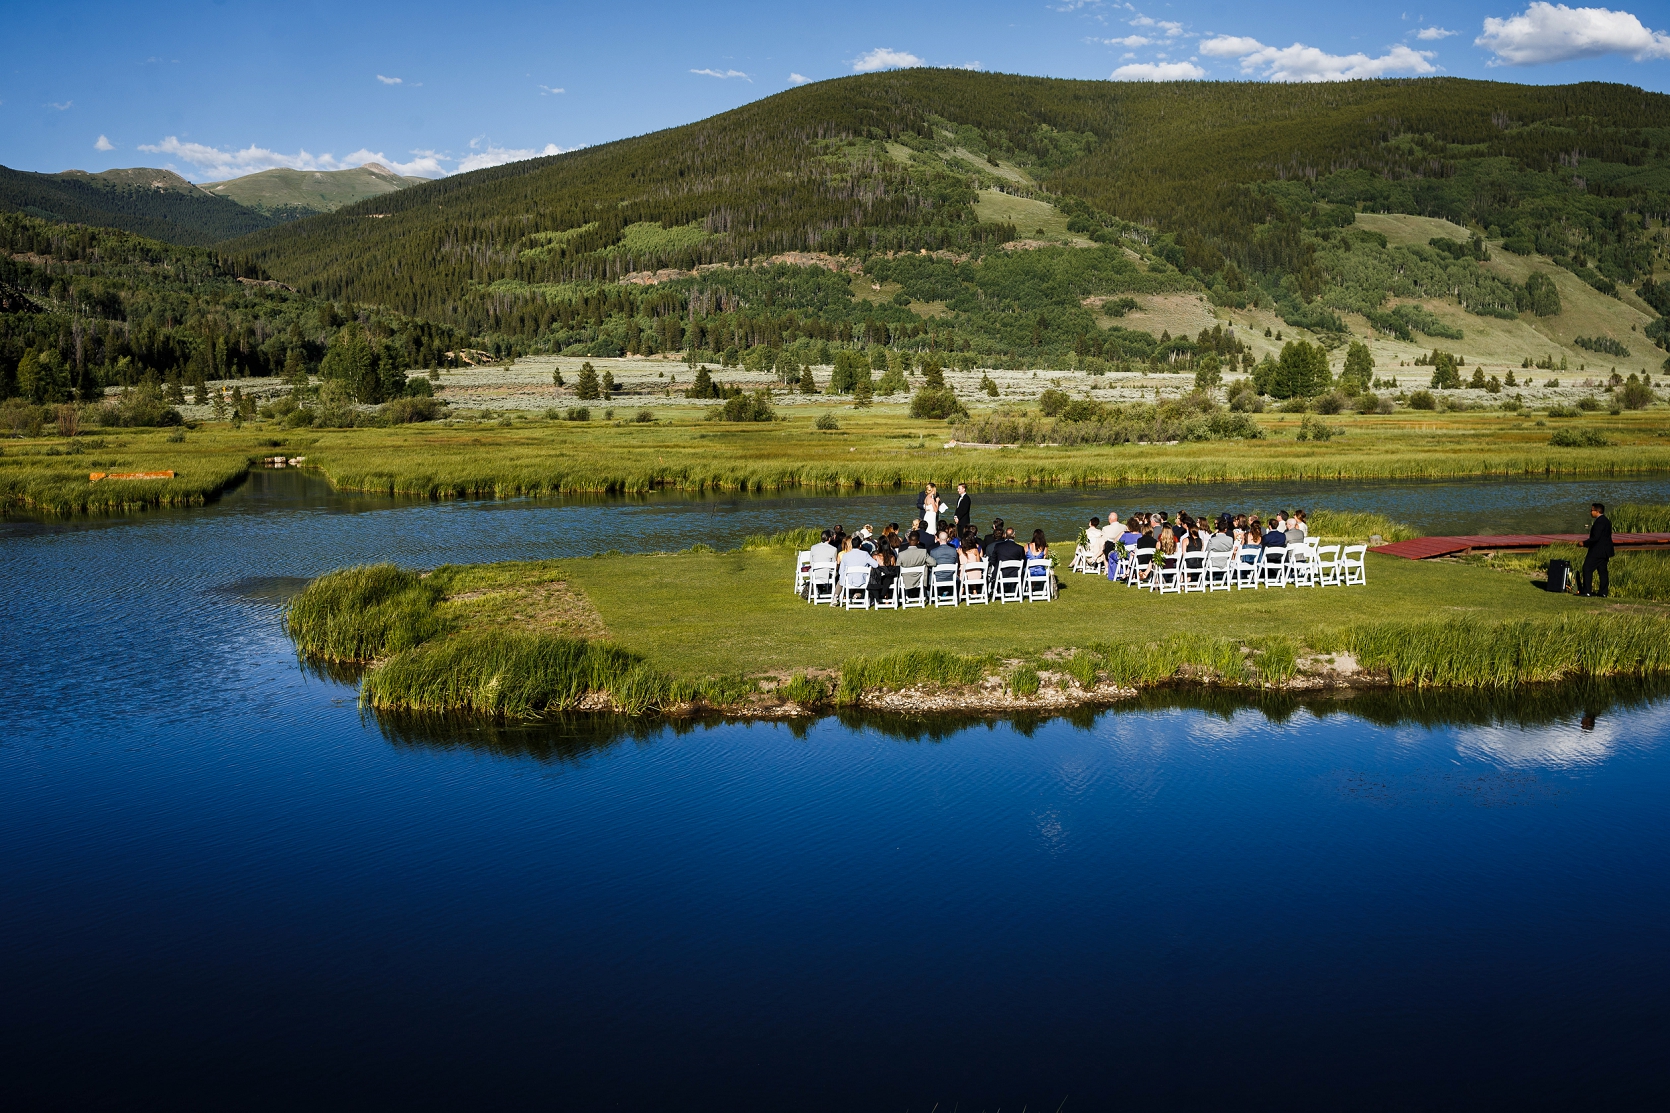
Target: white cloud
(1141, 21)
(885, 58)
(390, 80)
(798, 79)
(1128, 40)
(550, 91)
(212, 164)
(969, 66)
(62, 107)
(1229, 46)
(1159, 71)
(1306, 63)
(1555, 33)
(488, 155)
(104, 145)
(1429, 34)
(1172, 30)
(724, 75)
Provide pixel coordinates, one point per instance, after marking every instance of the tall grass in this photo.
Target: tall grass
(1638, 518)
(1355, 526)
(1632, 574)
(514, 675)
(1199, 656)
(1471, 654)
(363, 613)
(803, 538)
(914, 668)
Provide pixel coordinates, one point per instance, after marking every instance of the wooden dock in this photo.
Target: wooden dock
(1424, 548)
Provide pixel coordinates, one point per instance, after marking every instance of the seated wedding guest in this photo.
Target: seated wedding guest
(1093, 537)
(1002, 550)
(1274, 537)
(1254, 541)
(854, 556)
(1297, 524)
(883, 575)
(1038, 548)
(891, 535)
(994, 536)
(1148, 543)
(970, 554)
(1222, 540)
(943, 552)
(1166, 543)
(1133, 531)
(916, 554)
(823, 552)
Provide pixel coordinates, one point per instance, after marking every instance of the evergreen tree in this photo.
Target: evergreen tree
(808, 385)
(587, 389)
(702, 387)
(608, 384)
(1359, 366)
(1208, 372)
(1444, 373)
(933, 378)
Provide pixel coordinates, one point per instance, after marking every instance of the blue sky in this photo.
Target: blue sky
(214, 90)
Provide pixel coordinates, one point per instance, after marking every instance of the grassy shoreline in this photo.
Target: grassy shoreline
(880, 448)
(645, 635)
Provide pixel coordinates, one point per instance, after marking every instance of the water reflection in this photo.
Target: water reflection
(1553, 725)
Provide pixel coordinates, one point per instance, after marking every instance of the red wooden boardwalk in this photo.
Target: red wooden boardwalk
(1422, 548)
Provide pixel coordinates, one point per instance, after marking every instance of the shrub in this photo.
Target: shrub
(827, 422)
(1635, 395)
(644, 416)
(1332, 403)
(1052, 402)
(941, 403)
(744, 408)
(1558, 410)
(403, 411)
(1369, 404)
(578, 413)
(1423, 400)
(1312, 430)
(1588, 403)
(1578, 438)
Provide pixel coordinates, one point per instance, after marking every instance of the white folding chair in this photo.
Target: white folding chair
(913, 587)
(802, 571)
(1036, 582)
(1272, 571)
(1327, 565)
(1166, 581)
(1302, 570)
(1218, 572)
(820, 582)
(1351, 560)
(1194, 572)
(890, 598)
(1141, 559)
(1091, 563)
(972, 577)
(855, 589)
(943, 582)
(1010, 574)
(1245, 572)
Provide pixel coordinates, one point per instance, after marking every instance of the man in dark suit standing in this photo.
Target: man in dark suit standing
(1599, 545)
(965, 508)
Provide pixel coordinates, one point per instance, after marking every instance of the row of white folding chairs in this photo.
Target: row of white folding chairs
(1017, 581)
(1298, 566)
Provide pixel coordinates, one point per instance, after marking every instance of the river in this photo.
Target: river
(223, 886)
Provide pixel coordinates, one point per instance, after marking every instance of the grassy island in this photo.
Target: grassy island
(722, 630)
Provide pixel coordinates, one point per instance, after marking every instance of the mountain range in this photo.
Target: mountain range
(160, 204)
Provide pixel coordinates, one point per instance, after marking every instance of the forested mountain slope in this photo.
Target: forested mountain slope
(158, 204)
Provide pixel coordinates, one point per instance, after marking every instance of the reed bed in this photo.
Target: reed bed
(1357, 526)
(513, 675)
(1472, 654)
(914, 668)
(52, 488)
(1638, 518)
(363, 613)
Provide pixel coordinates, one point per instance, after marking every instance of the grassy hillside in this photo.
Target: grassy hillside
(287, 194)
(1236, 190)
(157, 204)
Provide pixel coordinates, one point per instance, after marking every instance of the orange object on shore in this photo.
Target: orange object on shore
(94, 477)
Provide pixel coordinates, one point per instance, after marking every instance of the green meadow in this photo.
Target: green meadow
(881, 447)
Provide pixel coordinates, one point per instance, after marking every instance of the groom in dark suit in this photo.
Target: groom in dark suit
(965, 508)
(1599, 545)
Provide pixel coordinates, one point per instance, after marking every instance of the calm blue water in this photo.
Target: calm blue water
(222, 887)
